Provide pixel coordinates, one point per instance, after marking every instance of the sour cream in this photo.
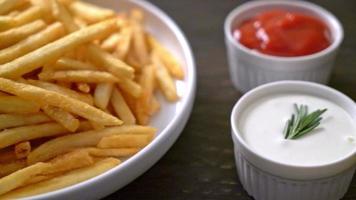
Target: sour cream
(263, 121)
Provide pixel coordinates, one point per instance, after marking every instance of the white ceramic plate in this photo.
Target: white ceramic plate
(170, 121)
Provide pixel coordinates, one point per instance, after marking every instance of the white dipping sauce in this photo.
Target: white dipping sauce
(263, 121)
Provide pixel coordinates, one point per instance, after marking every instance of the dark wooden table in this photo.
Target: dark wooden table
(200, 165)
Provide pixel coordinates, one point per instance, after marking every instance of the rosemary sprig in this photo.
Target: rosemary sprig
(302, 122)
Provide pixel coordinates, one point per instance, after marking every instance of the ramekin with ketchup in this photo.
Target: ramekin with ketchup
(280, 40)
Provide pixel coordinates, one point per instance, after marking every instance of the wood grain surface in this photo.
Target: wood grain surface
(200, 165)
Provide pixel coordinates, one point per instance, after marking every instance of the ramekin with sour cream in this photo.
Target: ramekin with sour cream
(318, 165)
(250, 68)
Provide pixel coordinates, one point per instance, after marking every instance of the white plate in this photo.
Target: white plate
(170, 121)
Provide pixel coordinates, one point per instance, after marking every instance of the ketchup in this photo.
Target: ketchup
(283, 33)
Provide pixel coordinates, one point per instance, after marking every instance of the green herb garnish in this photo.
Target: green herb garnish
(302, 122)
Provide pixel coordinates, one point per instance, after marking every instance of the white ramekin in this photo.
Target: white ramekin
(267, 179)
(249, 68)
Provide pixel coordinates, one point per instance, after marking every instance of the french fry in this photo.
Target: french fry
(63, 144)
(110, 43)
(12, 136)
(83, 87)
(64, 118)
(72, 160)
(80, 23)
(10, 167)
(13, 120)
(14, 35)
(147, 81)
(61, 14)
(22, 149)
(140, 46)
(90, 12)
(7, 5)
(63, 90)
(117, 67)
(69, 104)
(165, 81)
(130, 87)
(122, 152)
(169, 61)
(78, 76)
(46, 9)
(31, 43)
(102, 95)
(54, 50)
(31, 14)
(39, 178)
(96, 126)
(6, 22)
(125, 141)
(155, 106)
(121, 108)
(19, 177)
(71, 64)
(71, 178)
(16, 105)
(124, 43)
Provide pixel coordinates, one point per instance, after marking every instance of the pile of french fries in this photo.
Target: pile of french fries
(77, 91)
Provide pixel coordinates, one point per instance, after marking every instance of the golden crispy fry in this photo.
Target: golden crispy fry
(31, 43)
(169, 61)
(29, 15)
(117, 67)
(69, 104)
(7, 5)
(72, 160)
(155, 106)
(71, 64)
(46, 9)
(96, 126)
(80, 23)
(147, 81)
(124, 43)
(90, 12)
(140, 46)
(14, 35)
(22, 149)
(63, 144)
(10, 167)
(110, 43)
(125, 141)
(54, 50)
(84, 76)
(165, 81)
(83, 87)
(64, 91)
(130, 87)
(6, 22)
(19, 177)
(102, 95)
(15, 135)
(64, 118)
(13, 120)
(71, 178)
(121, 108)
(39, 178)
(16, 105)
(119, 152)
(61, 14)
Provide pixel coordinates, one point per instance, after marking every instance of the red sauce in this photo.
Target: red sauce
(283, 33)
